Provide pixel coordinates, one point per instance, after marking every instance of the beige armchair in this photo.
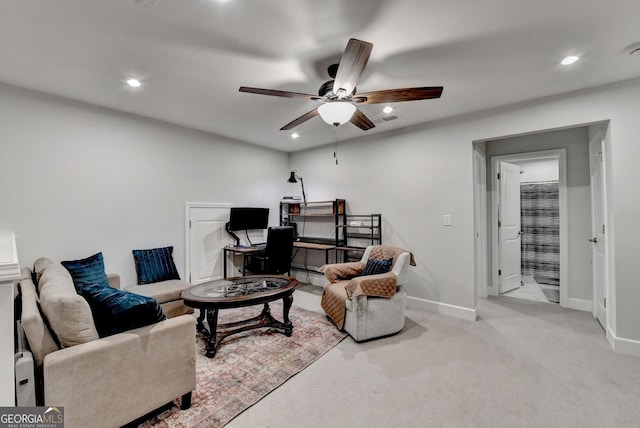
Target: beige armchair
(368, 306)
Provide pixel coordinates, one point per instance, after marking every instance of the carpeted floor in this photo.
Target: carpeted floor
(523, 364)
(249, 366)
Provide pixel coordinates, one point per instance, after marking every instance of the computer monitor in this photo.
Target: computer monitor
(245, 218)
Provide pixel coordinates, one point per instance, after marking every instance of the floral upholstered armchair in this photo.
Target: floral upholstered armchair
(366, 298)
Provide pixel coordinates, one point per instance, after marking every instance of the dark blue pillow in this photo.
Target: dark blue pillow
(115, 311)
(375, 267)
(155, 265)
(87, 271)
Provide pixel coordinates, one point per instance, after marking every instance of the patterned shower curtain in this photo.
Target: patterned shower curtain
(540, 212)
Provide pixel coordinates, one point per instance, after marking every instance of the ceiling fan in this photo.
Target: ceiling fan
(338, 97)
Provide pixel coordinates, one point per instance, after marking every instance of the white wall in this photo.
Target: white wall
(535, 171)
(136, 175)
(77, 179)
(576, 143)
(415, 176)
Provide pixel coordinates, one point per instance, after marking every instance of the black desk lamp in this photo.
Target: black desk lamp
(293, 178)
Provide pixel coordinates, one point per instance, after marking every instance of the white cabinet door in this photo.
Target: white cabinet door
(206, 236)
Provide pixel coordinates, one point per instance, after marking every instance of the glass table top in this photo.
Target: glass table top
(241, 286)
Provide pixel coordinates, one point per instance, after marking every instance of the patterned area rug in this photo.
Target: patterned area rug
(249, 365)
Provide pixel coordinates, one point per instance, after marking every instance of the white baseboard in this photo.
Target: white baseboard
(579, 304)
(466, 314)
(622, 345)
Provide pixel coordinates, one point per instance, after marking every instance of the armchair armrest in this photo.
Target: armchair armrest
(338, 271)
(382, 285)
(134, 372)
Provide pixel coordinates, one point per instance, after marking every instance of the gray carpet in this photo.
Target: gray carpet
(522, 364)
(551, 294)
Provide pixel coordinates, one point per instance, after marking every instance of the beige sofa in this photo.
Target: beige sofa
(102, 382)
(167, 293)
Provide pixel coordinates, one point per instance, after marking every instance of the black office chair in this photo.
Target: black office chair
(276, 258)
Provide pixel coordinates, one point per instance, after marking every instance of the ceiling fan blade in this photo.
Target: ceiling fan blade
(301, 119)
(360, 120)
(398, 95)
(275, 93)
(352, 64)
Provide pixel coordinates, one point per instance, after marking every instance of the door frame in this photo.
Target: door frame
(561, 155)
(480, 224)
(187, 229)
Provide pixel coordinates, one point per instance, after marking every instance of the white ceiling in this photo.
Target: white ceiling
(193, 55)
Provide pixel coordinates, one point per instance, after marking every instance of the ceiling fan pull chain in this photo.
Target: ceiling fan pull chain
(335, 146)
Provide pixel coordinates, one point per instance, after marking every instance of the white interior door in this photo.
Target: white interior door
(598, 231)
(206, 236)
(509, 227)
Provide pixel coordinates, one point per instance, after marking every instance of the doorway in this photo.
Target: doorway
(529, 212)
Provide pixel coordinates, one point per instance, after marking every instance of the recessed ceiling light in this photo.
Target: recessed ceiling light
(568, 60)
(134, 83)
(294, 135)
(387, 109)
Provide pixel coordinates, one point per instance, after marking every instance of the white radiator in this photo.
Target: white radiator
(25, 379)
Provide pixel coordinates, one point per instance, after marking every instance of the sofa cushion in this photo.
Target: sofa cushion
(117, 310)
(68, 313)
(375, 267)
(155, 265)
(41, 341)
(165, 291)
(87, 271)
(38, 268)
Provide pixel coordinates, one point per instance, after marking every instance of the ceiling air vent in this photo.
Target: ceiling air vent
(388, 118)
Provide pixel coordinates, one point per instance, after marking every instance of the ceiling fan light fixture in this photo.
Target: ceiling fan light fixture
(336, 113)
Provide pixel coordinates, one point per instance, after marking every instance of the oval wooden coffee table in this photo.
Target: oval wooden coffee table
(239, 292)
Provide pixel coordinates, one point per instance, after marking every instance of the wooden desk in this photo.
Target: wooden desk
(238, 250)
(313, 246)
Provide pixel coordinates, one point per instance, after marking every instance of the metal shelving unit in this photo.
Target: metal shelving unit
(327, 216)
(359, 231)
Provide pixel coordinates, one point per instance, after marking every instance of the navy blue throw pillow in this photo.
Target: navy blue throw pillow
(375, 267)
(115, 311)
(155, 265)
(87, 271)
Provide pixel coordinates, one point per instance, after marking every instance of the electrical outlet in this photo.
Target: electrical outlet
(446, 220)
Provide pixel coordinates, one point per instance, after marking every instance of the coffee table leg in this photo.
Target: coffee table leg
(200, 325)
(212, 320)
(287, 301)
